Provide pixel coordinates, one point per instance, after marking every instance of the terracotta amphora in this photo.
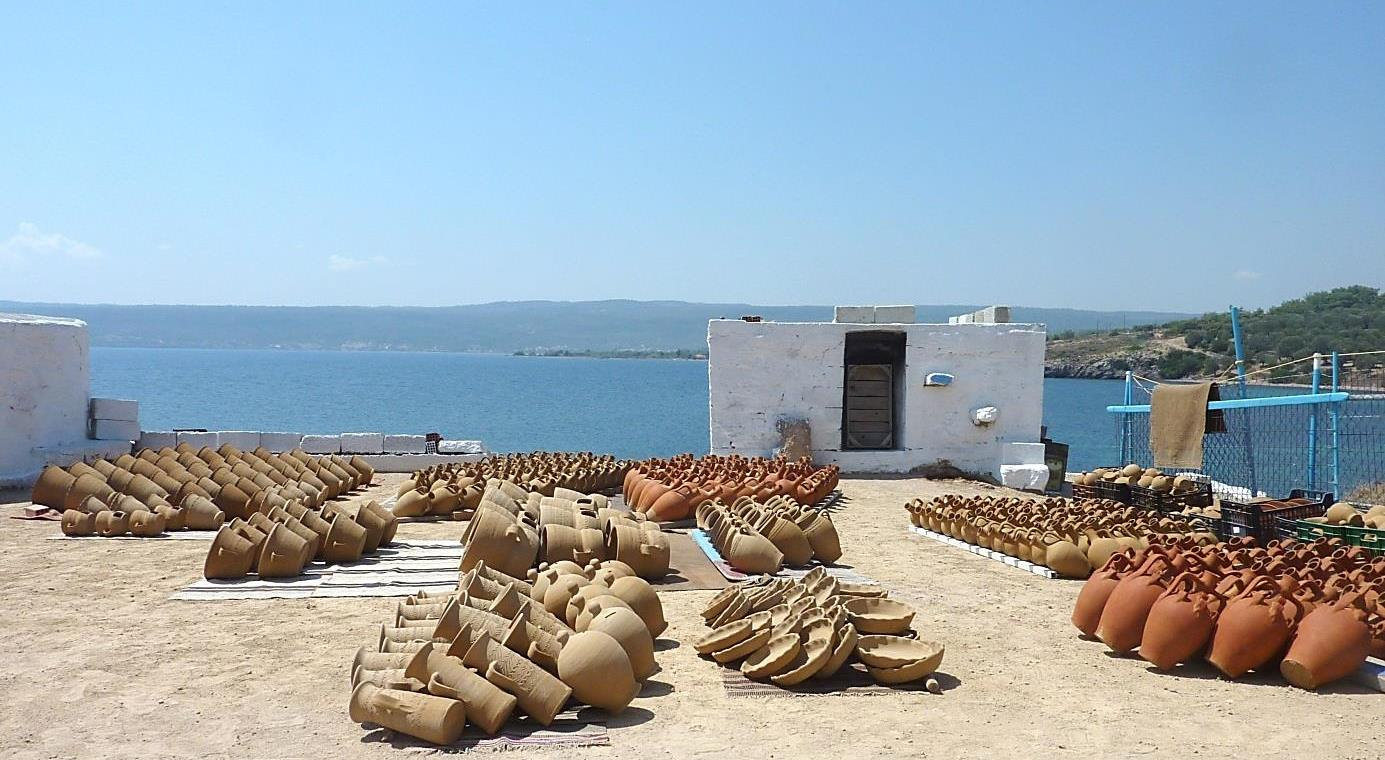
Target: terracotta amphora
(231, 555)
(146, 524)
(1123, 617)
(1331, 643)
(1181, 622)
(78, 523)
(487, 705)
(1253, 628)
(439, 720)
(596, 667)
(109, 523)
(1086, 613)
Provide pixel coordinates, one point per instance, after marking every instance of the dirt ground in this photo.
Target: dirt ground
(100, 663)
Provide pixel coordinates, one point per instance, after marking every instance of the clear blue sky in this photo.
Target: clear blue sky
(1112, 155)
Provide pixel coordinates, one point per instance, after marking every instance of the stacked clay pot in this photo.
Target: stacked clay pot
(456, 489)
(502, 645)
(672, 489)
(512, 530)
(788, 631)
(279, 541)
(1068, 536)
(1312, 610)
(1344, 514)
(187, 489)
(1134, 475)
(756, 537)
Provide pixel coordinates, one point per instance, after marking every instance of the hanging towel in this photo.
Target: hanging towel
(1178, 418)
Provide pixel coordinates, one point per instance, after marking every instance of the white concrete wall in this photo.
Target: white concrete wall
(760, 372)
(45, 380)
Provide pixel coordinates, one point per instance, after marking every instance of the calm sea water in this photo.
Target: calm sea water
(628, 407)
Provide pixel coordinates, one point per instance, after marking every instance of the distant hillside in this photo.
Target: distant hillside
(1347, 320)
(502, 327)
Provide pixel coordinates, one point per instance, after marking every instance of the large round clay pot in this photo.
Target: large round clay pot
(1330, 643)
(78, 523)
(1064, 558)
(596, 667)
(1253, 628)
(1123, 618)
(433, 719)
(231, 555)
(1180, 623)
(1091, 600)
(623, 625)
(641, 597)
(51, 487)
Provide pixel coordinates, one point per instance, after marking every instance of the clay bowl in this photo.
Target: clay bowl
(892, 651)
(881, 616)
(773, 657)
(913, 671)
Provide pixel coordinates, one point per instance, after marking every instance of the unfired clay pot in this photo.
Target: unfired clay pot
(77, 523)
(879, 616)
(434, 719)
(623, 625)
(110, 523)
(231, 555)
(146, 524)
(641, 597)
(596, 667)
(487, 705)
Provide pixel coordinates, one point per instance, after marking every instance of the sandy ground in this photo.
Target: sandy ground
(100, 663)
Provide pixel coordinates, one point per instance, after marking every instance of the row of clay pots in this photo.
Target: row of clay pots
(1068, 536)
(1313, 610)
(788, 631)
(540, 472)
(490, 650)
(801, 534)
(279, 542)
(673, 489)
(508, 533)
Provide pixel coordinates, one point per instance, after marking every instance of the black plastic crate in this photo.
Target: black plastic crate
(1261, 521)
(1106, 489)
(1164, 501)
(1082, 491)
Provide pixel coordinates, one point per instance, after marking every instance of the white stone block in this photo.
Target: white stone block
(894, 315)
(406, 444)
(1024, 477)
(461, 447)
(1022, 453)
(856, 315)
(115, 430)
(321, 444)
(105, 450)
(245, 440)
(362, 443)
(197, 440)
(114, 409)
(157, 439)
(281, 442)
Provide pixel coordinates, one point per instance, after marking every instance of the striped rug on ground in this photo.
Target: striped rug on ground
(851, 680)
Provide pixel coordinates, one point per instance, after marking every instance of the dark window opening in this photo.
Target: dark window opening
(873, 396)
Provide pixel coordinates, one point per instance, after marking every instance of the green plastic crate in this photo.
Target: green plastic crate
(1368, 538)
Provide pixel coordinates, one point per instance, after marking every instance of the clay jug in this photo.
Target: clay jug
(1331, 643)
(146, 524)
(596, 667)
(77, 523)
(1253, 628)
(1123, 617)
(109, 523)
(1086, 613)
(431, 718)
(1180, 623)
(487, 705)
(231, 555)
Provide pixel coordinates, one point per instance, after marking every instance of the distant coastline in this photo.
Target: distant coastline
(622, 353)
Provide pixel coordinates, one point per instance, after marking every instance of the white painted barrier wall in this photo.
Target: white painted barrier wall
(45, 380)
(760, 372)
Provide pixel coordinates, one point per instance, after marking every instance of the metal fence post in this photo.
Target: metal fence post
(1241, 375)
(1316, 385)
(1336, 425)
(1125, 418)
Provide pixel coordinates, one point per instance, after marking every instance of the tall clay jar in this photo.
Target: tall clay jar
(439, 720)
(1331, 643)
(1253, 628)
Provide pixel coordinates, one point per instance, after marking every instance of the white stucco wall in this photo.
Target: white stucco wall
(45, 380)
(760, 372)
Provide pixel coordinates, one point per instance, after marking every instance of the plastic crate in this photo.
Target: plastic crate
(1260, 521)
(1105, 489)
(1164, 501)
(1081, 491)
(1372, 539)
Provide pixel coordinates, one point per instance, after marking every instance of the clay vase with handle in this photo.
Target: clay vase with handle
(1253, 628)
(1123, 617)
(1181, 622)
(1086, 613)
(1331, 643)
(487, 705)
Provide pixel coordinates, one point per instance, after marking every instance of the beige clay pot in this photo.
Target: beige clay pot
(434, 719)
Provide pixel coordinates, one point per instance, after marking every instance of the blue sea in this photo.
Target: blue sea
(628, 407)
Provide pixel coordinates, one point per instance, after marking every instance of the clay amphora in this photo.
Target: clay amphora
(1063, 557)
(487, 705)
(231, 555)
(1253, 628)
(110, 523)
(752, 553)
(1123, 617)
(596, 667)
(788, 538)
(431, 718)
(1086, 614)
(77, 523)
(1331, 643)
(1180, 623)
(822, 535)
(146, 523)
(539, 693)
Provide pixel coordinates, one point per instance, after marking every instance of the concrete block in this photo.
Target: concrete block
(411, 462)
(1022, 453)
(281, 442)
(105, 450)
(114, 409)
(859, 315)
(245, 440)
(461, 447)
(321, 444)
(197, 440)
(115, 430)
(157, 439)
(406, 444)
(362, 443)
(894, 315)
(1025, 477)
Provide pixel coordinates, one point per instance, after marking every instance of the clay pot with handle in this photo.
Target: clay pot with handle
(431, 718)
(1123, 617)
(1330, 643)
(1181, 622)
(1253, 628)
(1086, 613)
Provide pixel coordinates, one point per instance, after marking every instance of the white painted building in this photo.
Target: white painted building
(883, 394)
